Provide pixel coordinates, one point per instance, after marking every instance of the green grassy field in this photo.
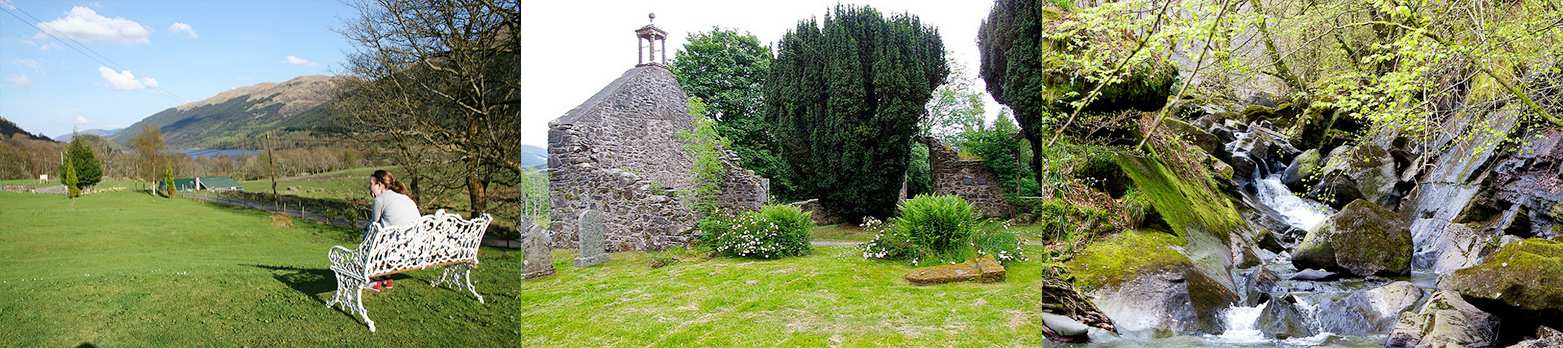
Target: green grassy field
(125, 269)
(349, 184)
(832, 297)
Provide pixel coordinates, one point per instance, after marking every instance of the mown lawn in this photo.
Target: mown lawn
(123, 269)
(830, 298)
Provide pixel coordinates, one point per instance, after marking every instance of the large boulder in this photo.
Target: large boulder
(1445, 320)
(1142, 281)
(1281, 319)
(1527, 275)
(1367, 312)
(1365, 171)
(1363, 239)
(1301, 173)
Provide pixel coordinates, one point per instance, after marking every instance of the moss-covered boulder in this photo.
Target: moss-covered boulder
(1365, 171)
(1527, 274)
(1141, 281)
(1303, 171)
(1363, 239)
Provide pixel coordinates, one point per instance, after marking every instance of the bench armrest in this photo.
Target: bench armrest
(345, 261)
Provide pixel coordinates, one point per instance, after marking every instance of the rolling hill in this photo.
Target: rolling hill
(297, 109)
(7, 128)
(533, 157)
(65, 138)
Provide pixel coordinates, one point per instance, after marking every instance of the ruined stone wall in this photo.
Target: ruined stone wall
(969, 179)
(742, 190)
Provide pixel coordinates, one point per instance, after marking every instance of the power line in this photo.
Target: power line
(77, 46)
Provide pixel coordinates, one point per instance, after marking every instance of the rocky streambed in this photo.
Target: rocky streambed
(1373, 243)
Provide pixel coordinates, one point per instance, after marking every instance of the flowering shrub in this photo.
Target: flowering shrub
(776, 231)
(939, 229)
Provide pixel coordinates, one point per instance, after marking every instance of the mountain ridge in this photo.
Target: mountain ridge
(298, 107)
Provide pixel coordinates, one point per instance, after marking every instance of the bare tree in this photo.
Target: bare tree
(437, 85)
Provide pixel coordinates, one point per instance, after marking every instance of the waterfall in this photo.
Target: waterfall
(1295, 211)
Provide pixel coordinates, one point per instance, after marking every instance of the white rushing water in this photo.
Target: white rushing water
(1243, 325)
(1300, 213)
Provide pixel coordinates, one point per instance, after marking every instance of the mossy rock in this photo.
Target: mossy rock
(1187, 205)
(1527, 274)
(1303, 171)
(1364, 239)
(1120, 257)
(1194, 135)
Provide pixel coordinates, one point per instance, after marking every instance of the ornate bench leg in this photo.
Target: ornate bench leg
(459, 277)
(358, 297)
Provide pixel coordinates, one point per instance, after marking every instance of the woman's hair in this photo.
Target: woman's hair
(384, 178)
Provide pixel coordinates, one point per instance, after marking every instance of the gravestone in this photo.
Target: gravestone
(535, 243)
(591, 232)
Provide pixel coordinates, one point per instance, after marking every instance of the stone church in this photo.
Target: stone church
(620, 153)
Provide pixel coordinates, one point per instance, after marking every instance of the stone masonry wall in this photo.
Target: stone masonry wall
(969, 179)
(619, 153)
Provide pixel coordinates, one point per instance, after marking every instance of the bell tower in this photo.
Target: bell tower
(648, 38)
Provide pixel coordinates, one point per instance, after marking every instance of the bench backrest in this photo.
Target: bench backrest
(435, 240)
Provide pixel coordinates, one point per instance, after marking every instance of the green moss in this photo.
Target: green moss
(1527, 274)
(1113, 260)
(1557, 212)
(1185, 205)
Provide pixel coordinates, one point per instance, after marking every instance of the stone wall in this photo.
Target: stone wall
(742, 190)
(619, 153)
(969, 179)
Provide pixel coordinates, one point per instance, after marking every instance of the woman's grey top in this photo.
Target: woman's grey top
(392, 209)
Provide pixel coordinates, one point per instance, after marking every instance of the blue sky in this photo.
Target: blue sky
(48, 87)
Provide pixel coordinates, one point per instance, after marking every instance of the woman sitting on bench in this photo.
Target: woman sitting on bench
(392, 207)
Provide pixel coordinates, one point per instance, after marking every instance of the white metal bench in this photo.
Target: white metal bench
(439, 240)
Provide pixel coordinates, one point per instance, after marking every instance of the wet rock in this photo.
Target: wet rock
(1312, 274)
(983, 269)
(1458, 246)
(1300, 174)
(1064, 326)
(1445, 320)
(1363, 239)
(1546, 337)
(1184, 301)
(1281, 319)
(1530, 179)
(1259, 285)
(1368, 312)
(1527, 275)
(1365, 171)
(1269, 241)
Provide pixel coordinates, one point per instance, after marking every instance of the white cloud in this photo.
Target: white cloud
(80, 120)
(124, 80)
(178, 27)
(29, 63)
(19, 80)
(45, 46)
(295, 60)
(7, 4)
(83, 23)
